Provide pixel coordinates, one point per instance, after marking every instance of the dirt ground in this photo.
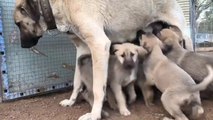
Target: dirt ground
(46, 107)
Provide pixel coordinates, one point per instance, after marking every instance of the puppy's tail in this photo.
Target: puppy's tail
(206, 81)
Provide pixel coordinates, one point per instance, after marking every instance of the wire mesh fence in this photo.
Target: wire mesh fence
(49, 66)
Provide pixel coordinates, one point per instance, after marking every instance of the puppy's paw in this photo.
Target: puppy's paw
(149, 104)
(89, 116)
(104, 114)
(125, 112)
(66, 103)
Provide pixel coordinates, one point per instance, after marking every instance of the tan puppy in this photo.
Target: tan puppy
(193, 63)
(122, 72)
(177, 87)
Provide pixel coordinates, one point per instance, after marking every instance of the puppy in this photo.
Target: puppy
(193, 63)
(84, 61)
(122, 72)
(177, 87)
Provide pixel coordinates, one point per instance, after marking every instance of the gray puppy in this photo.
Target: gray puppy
(122, 72)
(193, 63)
(177, 87)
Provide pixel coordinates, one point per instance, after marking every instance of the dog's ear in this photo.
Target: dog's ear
(32, 9)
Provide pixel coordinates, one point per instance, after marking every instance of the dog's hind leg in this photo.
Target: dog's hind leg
(171, 105)
(81, 49)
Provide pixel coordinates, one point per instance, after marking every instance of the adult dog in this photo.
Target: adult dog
(96, 23)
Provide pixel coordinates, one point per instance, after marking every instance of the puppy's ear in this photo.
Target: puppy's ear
(141, 51)
(176, 30)
(141, 39)
(184, 43)
(112, 50)
(136, 41)
(158, 34)
(145, 45)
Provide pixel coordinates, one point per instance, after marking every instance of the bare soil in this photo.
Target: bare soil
(47, 108)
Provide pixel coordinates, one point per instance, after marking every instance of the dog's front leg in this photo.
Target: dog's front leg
(120, 98)
(99, 45)
(148, 93)
(81, 49)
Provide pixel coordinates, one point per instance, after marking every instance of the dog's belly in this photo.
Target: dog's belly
(123, 19)
(121, 36)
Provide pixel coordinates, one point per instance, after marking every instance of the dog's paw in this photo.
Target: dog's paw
(125, 112)
(66, 103)
(89, 116)
(166, 118)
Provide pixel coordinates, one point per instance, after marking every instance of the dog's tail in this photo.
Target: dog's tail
(206, 81)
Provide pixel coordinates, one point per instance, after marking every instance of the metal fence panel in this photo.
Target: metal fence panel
(24, 71)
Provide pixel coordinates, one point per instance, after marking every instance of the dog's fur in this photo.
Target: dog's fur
(122, 72)
(193, 63)
(177, 87)
(97, 23)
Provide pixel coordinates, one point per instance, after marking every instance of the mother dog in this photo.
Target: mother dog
(96, 23)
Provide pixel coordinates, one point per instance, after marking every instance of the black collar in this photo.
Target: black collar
(47, 14)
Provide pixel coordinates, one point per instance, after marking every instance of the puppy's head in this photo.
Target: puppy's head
(149, 40)
(171, 36)
(128, 54)
(27, 18)
(193, 110)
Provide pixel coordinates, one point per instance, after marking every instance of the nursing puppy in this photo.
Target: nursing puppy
(123, 66)
(177, 87)
(193, 63)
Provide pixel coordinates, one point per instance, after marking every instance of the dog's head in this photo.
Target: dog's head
(27, 18)
(171, 36)
(128, 54)
(149, 40)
